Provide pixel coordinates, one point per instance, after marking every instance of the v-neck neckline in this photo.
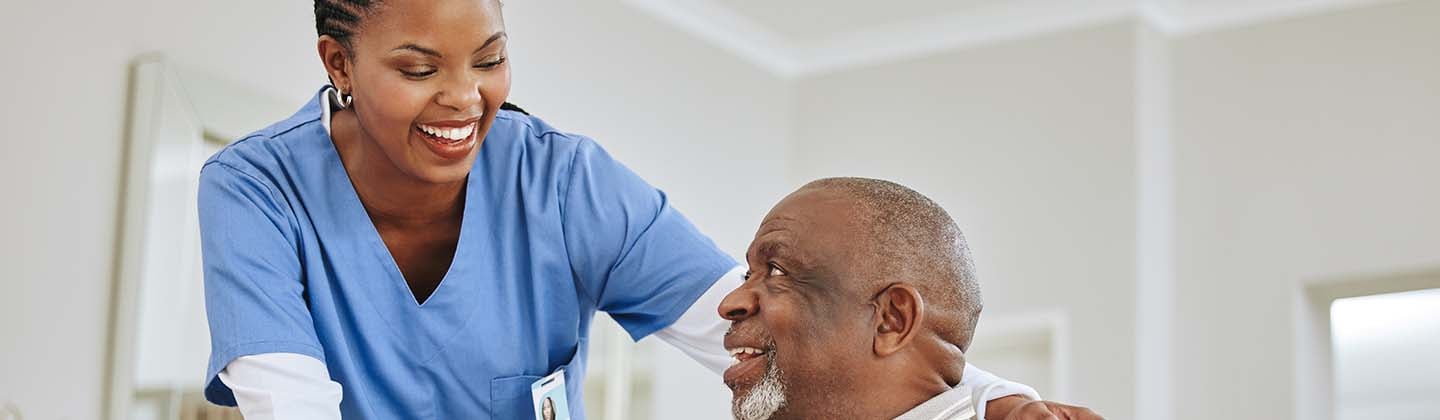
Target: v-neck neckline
(352, 196)
(393, 266)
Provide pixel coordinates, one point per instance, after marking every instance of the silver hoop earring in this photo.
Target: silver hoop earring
(342, 99)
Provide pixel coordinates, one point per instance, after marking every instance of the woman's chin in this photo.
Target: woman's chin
(447, 173)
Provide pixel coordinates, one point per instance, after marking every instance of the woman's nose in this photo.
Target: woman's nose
(461, 94)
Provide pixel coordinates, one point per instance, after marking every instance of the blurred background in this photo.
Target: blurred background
(1180, 209)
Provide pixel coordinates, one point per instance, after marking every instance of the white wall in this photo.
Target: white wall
(694, 121)
(62, 122)
(1305, 149)
(1030, 146)
(708, 128)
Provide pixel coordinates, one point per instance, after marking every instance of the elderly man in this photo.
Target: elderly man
(860, 303)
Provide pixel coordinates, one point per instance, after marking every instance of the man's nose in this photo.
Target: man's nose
(739, 304)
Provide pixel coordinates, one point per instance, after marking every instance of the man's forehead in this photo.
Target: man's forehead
(777, 236)
(809, 221)
(813, 208)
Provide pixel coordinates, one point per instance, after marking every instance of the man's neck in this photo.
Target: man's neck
(911, 391)
(883, 397)
(917, 377)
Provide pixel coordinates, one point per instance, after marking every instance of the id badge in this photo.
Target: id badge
(548, 394)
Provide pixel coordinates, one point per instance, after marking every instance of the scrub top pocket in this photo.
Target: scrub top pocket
(510, 396)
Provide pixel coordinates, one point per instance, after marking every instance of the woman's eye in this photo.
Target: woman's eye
(417, 74)
(490, 64)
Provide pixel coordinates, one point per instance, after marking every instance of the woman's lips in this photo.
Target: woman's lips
(449, 143)
(453, 131)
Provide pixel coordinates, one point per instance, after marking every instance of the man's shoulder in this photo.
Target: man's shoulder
(954, 404)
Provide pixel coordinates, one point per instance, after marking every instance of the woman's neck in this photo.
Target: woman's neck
(391, 196)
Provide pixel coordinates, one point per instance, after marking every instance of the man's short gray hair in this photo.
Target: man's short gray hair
(910, 238)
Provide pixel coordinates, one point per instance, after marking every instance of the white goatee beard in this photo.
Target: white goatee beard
(765, 398)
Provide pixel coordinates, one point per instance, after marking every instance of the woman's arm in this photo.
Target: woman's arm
(254, 293)
(282, 386)
(700, 331)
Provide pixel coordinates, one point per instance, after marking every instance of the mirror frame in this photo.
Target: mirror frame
(221, 111)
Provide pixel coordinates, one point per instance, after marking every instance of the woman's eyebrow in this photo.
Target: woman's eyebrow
(492, 40)
(409, 46)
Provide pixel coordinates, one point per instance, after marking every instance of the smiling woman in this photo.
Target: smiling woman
(407, 225)
(411, 152)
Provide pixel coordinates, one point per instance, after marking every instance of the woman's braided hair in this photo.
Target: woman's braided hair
(340, 19)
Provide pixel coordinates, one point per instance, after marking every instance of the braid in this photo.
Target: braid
(341, 18)
(512, 107)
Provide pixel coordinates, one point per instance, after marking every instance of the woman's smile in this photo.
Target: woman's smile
(449, 140)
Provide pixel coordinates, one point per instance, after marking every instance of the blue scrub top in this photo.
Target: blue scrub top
(554, 229)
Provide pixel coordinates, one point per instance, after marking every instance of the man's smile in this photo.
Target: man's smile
(751, 355)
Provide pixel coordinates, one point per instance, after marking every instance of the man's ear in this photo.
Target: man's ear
(336, 59)
(901, 312)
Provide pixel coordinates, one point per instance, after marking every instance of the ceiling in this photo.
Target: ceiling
(798, 20)
(796, 38)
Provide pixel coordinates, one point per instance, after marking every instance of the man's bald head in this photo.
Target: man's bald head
(907, 237)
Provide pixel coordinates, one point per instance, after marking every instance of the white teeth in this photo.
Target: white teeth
(745, 350)
(449, 133)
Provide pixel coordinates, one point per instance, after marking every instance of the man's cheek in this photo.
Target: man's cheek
(799, 356)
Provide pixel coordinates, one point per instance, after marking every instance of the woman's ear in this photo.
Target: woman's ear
(901, 312)
(336, 58)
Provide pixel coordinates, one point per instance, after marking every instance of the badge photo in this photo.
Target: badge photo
(549, 398)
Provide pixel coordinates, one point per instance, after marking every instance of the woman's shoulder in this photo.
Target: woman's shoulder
(525, 145)
(274, 147)
(531, 132)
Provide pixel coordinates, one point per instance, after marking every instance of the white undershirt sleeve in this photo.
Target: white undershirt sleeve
(986, 386)
(700, 331)
(700, 334)
(282, 386)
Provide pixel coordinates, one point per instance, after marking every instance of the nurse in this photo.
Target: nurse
(409, 246)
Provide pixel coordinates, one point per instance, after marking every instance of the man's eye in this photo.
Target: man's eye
(775, 270)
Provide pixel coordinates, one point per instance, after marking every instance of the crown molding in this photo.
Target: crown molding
(723, 27)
